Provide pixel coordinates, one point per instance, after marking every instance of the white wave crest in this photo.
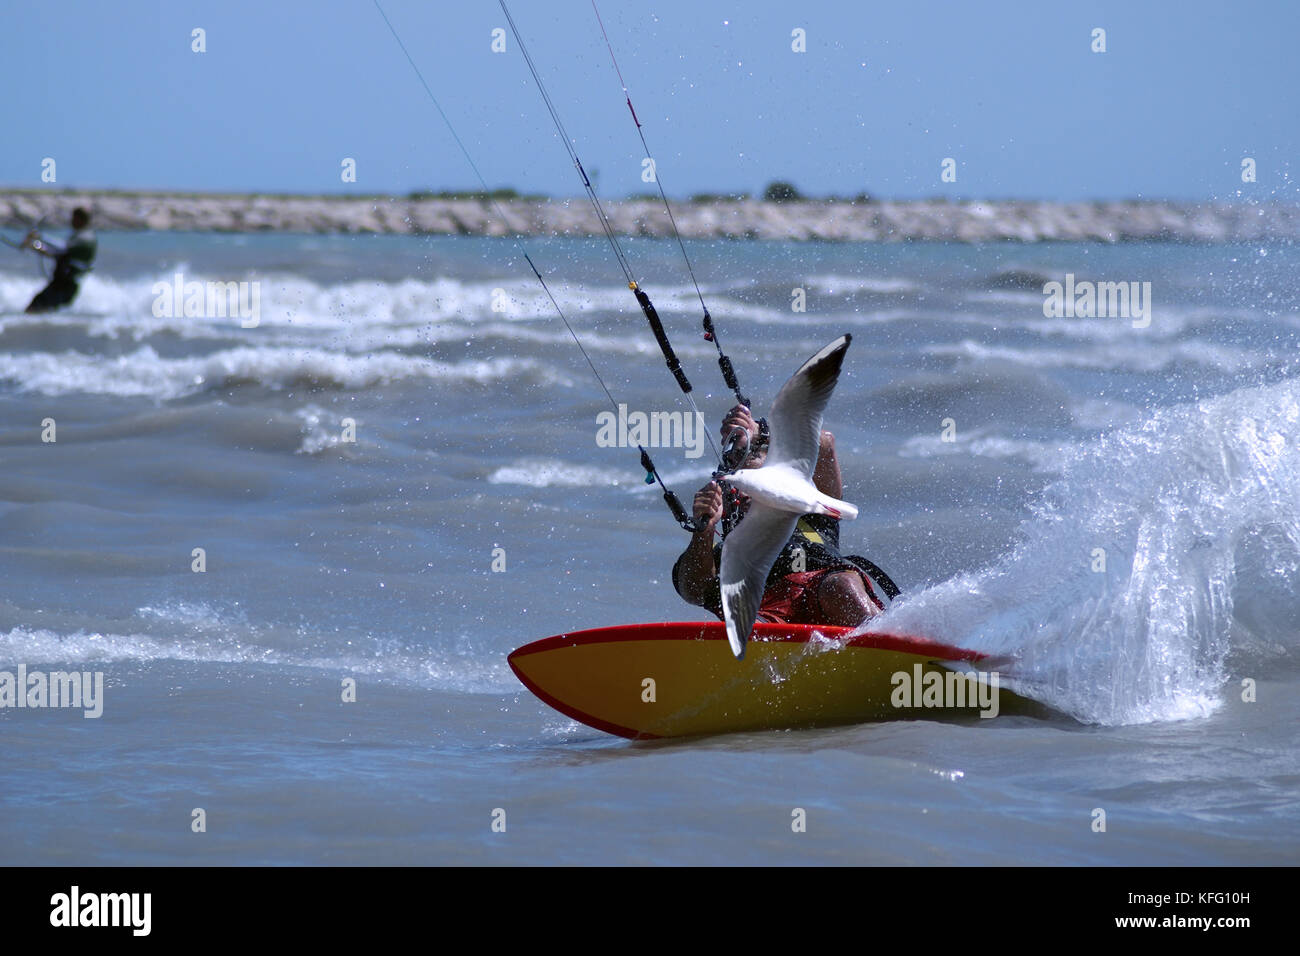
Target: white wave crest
(1121, 600)
(145, 373)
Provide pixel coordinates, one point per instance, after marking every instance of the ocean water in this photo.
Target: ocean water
(997, 456)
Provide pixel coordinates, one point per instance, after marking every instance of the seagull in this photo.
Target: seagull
(780, 491)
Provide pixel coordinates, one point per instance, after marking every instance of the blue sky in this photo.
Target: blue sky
(885, 92)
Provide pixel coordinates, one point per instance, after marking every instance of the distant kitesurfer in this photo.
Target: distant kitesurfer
(811, 581)
(70, 263)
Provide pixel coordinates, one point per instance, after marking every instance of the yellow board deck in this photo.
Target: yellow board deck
(679, 679)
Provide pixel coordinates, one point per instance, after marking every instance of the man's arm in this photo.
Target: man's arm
(826, 476)
(696, 568)
(35, 243)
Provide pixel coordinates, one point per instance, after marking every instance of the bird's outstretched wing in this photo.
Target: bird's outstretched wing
(796, 417)
(747, 558)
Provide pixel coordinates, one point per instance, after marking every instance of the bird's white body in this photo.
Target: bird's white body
(784, 488)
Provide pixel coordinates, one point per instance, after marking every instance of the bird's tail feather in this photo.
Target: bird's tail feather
(827, 505)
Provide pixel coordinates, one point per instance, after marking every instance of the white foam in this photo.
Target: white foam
(204, 643)
(842, 285)
(552, 473)
(1141, 356)
(1168, 503)
(145, 373)
(123, 307)
(984, 443)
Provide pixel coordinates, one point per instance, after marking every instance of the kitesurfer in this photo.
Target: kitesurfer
(70, 263)
(811, 581)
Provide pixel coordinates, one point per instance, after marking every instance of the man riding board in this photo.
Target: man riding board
(812, 582)
(70, 263)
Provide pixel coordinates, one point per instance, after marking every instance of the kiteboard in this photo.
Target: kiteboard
(644, 681)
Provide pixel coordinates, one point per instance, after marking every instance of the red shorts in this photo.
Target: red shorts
(793, 599)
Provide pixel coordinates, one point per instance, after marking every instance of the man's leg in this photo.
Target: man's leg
(54, 296)
(844, 599)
